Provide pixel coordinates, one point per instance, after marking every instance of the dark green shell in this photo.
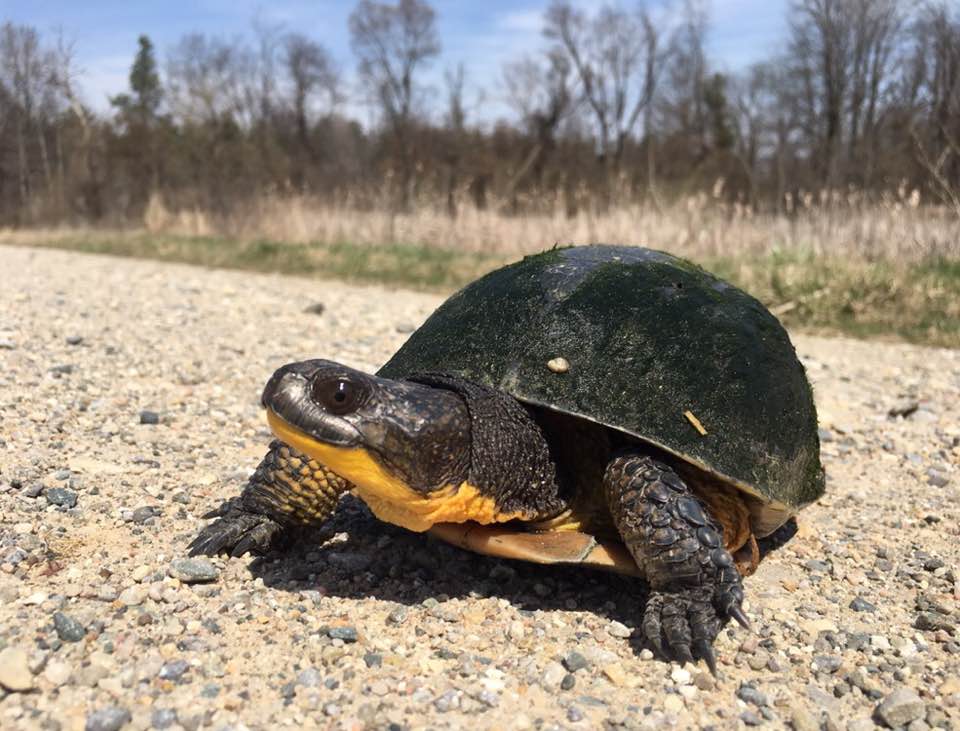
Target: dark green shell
(648, 337)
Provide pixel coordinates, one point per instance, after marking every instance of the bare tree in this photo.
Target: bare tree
(933, 80)
(615, 55)
(843, 50)
(25, 74)
(541, 92)
(392, 44)
(312, 76)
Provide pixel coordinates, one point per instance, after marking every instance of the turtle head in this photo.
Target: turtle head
(394, 440)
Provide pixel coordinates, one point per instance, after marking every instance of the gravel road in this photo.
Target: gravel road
(128, 399)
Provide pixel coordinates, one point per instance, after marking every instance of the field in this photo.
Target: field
(830, 265)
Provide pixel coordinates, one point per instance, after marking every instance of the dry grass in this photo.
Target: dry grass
(838, 265)
(895, 229)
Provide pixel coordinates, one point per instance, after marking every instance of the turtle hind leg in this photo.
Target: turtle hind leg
(287, 493)
(695, 587)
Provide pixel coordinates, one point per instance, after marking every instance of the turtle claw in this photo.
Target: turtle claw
(681, 625)
(706, 653)
(236, 532)
(736, 612)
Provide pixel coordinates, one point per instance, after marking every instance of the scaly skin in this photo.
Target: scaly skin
(288, 490)
(695, 587)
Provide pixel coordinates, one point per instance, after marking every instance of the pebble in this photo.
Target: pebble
(347, 634)
(132, 596)
(859, 604)
(15, 672)
(749, 694)
(574, 661)
(161, 718)
(618, 629)
(173, 670)
(57, 673)
(111, 718)
(901, 707)
(803, 720)
(552, 675)
(149, 417)
(309, 678)
(74, 339)
(61, 497)
(68, 629)
(193, 570)
(680, 676)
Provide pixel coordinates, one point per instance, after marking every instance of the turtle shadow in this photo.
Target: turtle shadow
(356, 556)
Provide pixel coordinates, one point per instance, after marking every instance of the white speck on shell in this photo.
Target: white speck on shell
(558, 365)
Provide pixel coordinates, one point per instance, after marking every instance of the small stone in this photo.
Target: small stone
(558, 365)
(861, 724)
(309, 678)
(317, 308)
(132, 596)
(397, 616)
(751, 718)
(618, 629)
(347, 634)
(937, 478)
(74, 339)
(904, 407)
(173, 670)
(680, 676)
(900, 708)
(144, 513)
(574, 661)
(932, 622)
(827, 663)
(749, 694)
(574, 714)
(68, 628)
(802, 720)
(193, 570)
(149, 417)
(859, 604)
(57, 673)
(7, 344)
(552, 675)
(373, 660)
(111, 718)
(569, 680)
(704, 681)
(162, 718)
(15, 672)
(61, 497)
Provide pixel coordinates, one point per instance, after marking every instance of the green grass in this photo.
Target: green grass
(916, 302)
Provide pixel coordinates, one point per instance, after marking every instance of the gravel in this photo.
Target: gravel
(900, 708)
(103, 621)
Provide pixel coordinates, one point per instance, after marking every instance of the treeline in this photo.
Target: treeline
(618, 104)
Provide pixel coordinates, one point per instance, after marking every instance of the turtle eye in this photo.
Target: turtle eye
(337, 395)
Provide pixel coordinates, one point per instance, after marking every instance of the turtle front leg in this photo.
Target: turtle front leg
(695, 587)
(287, 491)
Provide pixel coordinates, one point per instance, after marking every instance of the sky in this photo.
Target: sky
(481, 35)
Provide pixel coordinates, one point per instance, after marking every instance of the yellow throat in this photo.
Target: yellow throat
(391, 499)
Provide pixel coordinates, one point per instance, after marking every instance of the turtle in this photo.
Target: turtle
(613, 407)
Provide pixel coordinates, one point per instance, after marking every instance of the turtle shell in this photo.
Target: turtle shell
(654, 347)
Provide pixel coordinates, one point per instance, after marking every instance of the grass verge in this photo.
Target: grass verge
(917, 302)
